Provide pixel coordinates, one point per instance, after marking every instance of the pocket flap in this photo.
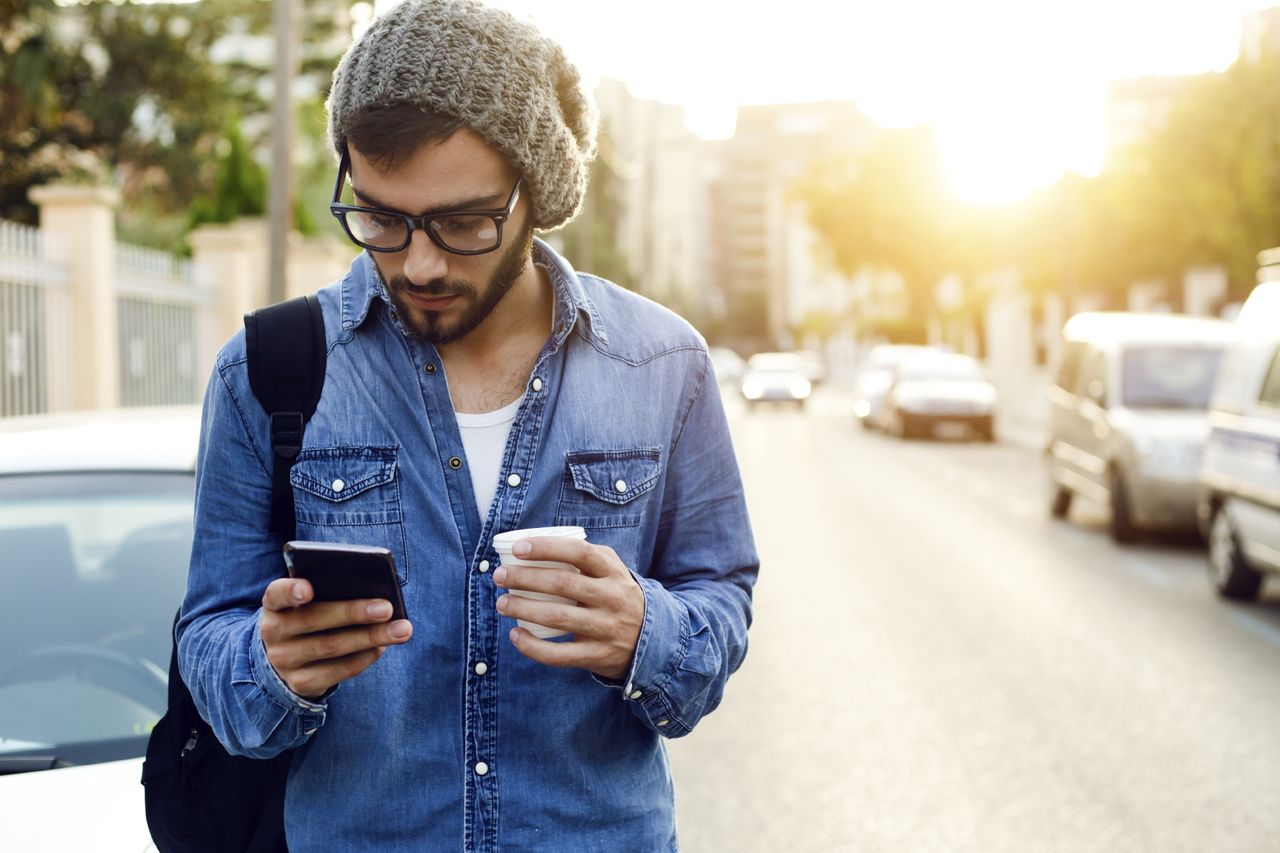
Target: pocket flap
(615, 476)
(340, 473)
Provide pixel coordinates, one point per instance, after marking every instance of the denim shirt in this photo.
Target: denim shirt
(455, 740)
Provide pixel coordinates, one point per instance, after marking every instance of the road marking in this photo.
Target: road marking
(1263, 629)
(1146, 570)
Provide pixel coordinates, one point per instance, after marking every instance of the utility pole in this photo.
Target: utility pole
(280, 200)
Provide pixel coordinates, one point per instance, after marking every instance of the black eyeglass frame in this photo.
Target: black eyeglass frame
(413, 223)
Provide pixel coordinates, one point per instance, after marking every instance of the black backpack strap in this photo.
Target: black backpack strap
(286, 349)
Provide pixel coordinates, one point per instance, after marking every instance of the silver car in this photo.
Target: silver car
(775, 377)
(1239, 506)
(934, 391)
(95, 536)
(1128, 416)
(875, 375)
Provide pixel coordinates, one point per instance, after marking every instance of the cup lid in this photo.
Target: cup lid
(503, 541)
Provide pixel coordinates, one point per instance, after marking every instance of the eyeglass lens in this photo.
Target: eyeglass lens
(460, 232)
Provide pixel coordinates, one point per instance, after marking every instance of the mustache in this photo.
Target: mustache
(434, 289)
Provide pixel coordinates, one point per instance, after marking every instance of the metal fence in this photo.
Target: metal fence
(161, 313)
(35, 322)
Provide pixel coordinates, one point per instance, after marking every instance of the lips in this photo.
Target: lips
(436, 303)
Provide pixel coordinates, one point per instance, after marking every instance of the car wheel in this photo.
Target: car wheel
(987, 430)
(1123, 529)
(1060, 501)
(1231, 575)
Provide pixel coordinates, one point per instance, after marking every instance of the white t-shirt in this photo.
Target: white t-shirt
(484, 438)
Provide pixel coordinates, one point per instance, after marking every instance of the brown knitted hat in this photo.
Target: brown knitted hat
(499, 76)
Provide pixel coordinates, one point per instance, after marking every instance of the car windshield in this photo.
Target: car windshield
(1169, 377)
(944, 370)
(93, 569)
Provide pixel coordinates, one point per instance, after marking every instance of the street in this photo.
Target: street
(936, 665)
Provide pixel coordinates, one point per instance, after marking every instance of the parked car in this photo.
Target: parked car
(939, 389)
(727, 364)
(777, 377)
(95, 533)
(875, 374)
(1239, 503)
(1128, 416)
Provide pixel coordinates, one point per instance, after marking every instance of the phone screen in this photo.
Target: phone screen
(341, 572)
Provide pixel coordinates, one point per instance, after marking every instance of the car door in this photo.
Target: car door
(1257, 517)
(1091, 429)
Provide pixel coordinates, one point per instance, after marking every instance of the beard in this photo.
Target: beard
(433, 327)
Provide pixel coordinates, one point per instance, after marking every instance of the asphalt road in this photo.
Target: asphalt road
(935, 665)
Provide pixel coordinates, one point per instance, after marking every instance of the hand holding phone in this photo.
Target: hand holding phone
(335, 626)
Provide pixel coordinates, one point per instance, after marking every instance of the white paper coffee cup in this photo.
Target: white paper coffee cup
(503, 542)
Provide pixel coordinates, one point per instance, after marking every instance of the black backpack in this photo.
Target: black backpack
(199, 797)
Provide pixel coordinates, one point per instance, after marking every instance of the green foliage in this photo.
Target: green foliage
(240, 187)
(130, 94)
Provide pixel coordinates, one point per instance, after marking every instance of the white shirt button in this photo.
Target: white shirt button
(484, 566)
(481, 768)
(636, 694)
(662, 723)
(620, 486)
(627, 689)
(513, 480)
(482, 668)
(338, 485)
(537, 384)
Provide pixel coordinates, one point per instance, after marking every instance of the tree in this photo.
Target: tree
(888, 208)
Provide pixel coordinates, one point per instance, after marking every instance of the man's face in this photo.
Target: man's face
(441, 296)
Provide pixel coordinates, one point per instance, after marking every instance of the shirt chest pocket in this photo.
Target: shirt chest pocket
(350, 494)
(346, 486)
(607, 488)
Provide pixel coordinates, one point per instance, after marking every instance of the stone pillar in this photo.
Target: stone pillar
(84, 216)
(315, 262)
(234, 259)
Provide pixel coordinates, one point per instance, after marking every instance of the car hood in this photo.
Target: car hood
(1181, 425)
(945, 389)
(107, 809)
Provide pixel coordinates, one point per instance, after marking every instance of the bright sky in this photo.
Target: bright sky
(1014, 88)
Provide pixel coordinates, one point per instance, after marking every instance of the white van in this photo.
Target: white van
(1239, 506)
(1128, 416)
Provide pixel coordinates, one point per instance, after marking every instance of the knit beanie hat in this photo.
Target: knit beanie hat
(499, 76)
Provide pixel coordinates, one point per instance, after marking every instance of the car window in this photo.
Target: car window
(1169, 377)
(93, 569)
(1270, 395)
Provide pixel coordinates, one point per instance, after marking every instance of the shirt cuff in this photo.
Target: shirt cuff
(660, 649)
(311, 714)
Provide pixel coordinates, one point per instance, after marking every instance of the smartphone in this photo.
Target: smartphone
(339, 571)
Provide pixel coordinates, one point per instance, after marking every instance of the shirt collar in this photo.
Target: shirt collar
(363, 285)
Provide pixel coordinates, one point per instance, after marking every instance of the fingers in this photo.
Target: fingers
(313, 680)
(285, 593)
(593, 560)
(579, 621)
(308, 649)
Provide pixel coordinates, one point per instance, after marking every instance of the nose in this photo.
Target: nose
(424, 261)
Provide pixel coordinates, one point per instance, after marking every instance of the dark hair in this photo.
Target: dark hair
(388, 135)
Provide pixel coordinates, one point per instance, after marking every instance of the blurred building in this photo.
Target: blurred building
(1137, 109)
(1260, 35)
(764, 265)
(654, 172)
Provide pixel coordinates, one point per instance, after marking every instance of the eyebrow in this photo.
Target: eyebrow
(493, 201)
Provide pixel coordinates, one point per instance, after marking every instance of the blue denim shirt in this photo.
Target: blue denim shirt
(427, 749)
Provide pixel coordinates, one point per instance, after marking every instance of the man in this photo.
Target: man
(476, 383)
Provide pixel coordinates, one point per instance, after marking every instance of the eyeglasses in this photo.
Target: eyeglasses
(462, 232)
